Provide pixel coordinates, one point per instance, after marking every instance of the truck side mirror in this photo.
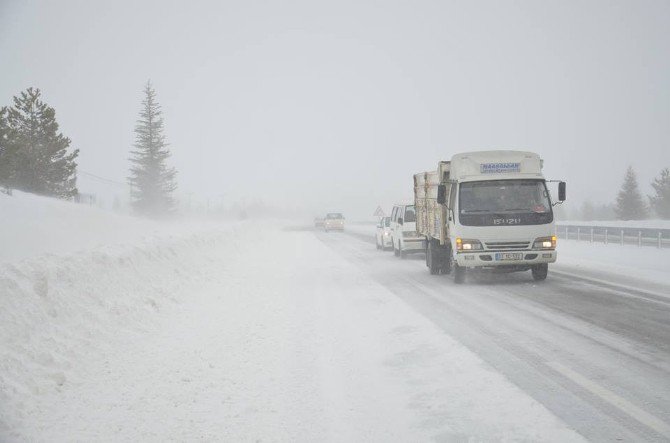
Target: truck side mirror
(441, 194)
(400, 221)
(561, 191)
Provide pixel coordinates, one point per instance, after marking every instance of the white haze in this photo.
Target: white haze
(334, 105)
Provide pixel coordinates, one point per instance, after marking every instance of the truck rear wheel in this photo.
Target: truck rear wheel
(540, 271)
(434, 256)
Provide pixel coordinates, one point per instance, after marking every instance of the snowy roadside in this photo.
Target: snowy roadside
(74, 280)
(57, 313)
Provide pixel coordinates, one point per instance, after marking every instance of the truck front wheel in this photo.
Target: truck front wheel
(447, 261)
(459, 274)
(540, 271)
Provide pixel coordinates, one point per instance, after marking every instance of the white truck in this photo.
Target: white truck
(487, 210)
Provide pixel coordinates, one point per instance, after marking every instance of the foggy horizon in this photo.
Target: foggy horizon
(319, 103)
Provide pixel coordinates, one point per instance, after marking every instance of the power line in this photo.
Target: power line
(101, 179)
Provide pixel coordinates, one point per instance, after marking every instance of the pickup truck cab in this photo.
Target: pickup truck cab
(405, 239)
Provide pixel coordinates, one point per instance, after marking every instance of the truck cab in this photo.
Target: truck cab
(494, 212)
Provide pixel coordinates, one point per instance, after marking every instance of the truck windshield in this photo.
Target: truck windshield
(486, 203)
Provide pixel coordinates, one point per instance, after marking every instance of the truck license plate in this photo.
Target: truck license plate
(509, 256)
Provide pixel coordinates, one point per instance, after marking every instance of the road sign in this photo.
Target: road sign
(379, 212)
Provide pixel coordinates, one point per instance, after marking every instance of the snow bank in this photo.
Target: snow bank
(57, 312)
(73, 280)
(31, 225)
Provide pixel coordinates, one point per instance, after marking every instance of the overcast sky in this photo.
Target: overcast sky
(336, 104)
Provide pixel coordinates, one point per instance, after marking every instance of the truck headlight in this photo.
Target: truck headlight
(545, 243)
(468, 245)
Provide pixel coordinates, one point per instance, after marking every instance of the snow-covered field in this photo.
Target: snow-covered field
(113, 328)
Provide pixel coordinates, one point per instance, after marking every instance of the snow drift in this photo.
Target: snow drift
(59, 307)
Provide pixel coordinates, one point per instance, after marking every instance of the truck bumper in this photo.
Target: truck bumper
(494, 259)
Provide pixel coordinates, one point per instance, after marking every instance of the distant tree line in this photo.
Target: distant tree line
(34, 156)
(630, 204)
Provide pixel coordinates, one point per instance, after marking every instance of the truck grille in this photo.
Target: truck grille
(507, 245)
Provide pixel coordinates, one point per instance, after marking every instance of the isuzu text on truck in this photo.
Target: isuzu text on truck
(487, 210)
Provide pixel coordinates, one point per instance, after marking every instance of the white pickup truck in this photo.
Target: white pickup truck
(487, 210)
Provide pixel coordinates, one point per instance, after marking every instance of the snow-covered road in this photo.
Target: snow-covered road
(591, 346)
(278, 337)
(247, 332)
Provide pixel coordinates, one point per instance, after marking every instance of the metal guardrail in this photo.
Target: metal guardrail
(659, 238)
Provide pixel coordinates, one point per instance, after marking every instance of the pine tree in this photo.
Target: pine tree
(152, 182)
(37, 158)
(629, 202)
(661, 201)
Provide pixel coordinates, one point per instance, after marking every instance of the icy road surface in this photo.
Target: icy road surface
(592, 346)
(252, 333)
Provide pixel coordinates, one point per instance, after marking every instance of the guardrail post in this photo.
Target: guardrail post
(578, 233)
(605, 235)
(639, 238)
(591, 235)
(622, 237)
(660, 241)
(567, 233)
